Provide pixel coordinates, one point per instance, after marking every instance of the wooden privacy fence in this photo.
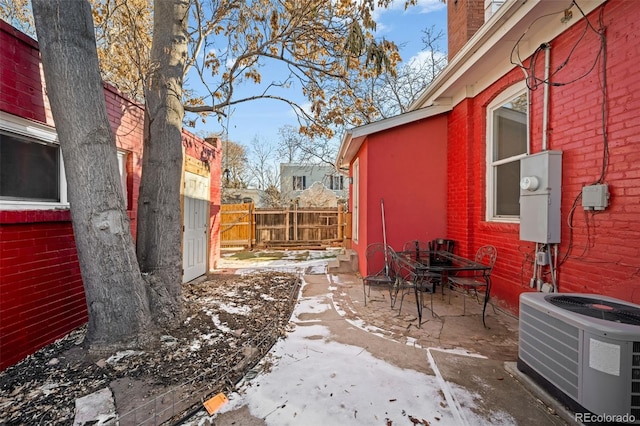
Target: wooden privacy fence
(244, 225)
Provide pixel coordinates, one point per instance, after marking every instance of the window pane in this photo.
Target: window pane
(507, 194)
(510, 128)
(336, 182)
(28, 170)
(122, 168)
(299, 183)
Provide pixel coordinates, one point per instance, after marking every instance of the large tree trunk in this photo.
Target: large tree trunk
(159, 232)
(115, 291)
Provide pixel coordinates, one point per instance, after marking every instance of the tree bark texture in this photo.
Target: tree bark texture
(159, 231)
(115, 291)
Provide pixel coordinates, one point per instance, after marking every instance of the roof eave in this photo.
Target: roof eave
(475, 43)
(460, 78)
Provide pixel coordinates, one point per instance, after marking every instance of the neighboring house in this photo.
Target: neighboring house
(460, 163)
(295, 178)
(41, 291)
(244, 195)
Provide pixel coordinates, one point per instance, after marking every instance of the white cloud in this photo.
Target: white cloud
(422, 6)
(306, 107)
(398, 6)
(422, 58)
(427, 6)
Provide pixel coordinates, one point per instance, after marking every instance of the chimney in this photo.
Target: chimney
(464, 17)
(212, 140)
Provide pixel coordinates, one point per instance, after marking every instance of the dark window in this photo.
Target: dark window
(299, 183)
(29, 170)
(336, 183)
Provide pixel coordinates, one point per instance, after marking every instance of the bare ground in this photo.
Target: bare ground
(231, 321)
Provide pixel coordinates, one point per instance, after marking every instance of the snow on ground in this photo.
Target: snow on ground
(318, 382)
(315, 262)
(315, 381)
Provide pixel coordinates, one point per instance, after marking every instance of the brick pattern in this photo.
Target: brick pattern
(41, 292)
(21, 82)
(606, 245)
(464, 17)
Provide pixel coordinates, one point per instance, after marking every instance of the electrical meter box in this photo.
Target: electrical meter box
(540, 190)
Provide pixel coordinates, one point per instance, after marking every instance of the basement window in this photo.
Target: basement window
(32, 173)
(31, 169)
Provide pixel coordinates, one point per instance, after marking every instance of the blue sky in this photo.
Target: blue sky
(262, 118)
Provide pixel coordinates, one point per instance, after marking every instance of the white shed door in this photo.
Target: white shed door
(196, 200)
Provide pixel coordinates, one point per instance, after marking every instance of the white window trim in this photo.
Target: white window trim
(507, 94)
(34, 130)
(122, 169)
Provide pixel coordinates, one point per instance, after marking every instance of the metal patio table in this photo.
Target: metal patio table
(423, 270)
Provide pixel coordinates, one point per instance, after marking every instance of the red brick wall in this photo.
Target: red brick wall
(464, 17)
(21, 84)
(605, 253)
(127, 122)
(41, 293)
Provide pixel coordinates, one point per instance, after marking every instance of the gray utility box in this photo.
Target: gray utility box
(540, 185)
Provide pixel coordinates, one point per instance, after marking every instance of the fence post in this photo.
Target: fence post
(340, 222)
(252, 224)
(286, 224)
(295, 222)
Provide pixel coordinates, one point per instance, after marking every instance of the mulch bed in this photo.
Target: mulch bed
(230, 322)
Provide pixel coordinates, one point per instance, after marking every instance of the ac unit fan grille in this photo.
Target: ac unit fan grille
(597, 308)
(551, 347)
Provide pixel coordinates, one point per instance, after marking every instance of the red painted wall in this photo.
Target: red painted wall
(406, 167)
(41, 293)
(604, 255)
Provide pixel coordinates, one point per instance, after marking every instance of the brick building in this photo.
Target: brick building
(41, 292)
(459, 151)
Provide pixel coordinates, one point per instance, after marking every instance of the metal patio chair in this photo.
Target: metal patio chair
(419, 247)
(379, 269)
(412, 275)
(437, 245)
(485, 255)
(440, 244)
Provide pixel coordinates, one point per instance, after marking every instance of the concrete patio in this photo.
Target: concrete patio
(462, 357)
(489, 370)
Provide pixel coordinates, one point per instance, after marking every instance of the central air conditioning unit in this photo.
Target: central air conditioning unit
(584, 349)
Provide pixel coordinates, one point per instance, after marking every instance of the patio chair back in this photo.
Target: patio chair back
(379, 268)
(378, 260)
(486, 255)
(417, 247)
(440, 244)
